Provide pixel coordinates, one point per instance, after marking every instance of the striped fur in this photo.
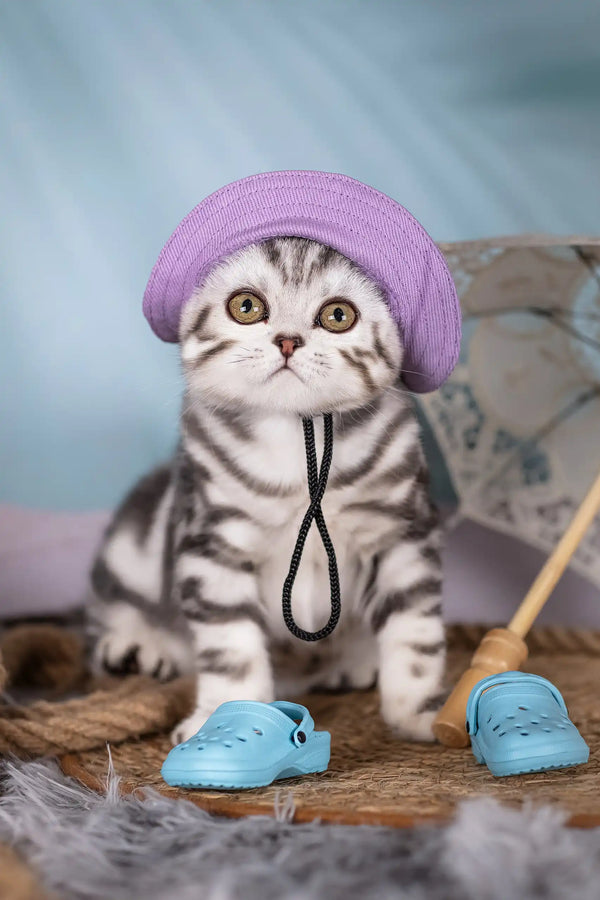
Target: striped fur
(190, 572)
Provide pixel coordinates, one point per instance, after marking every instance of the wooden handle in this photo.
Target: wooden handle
(556, 564)
(499, 651)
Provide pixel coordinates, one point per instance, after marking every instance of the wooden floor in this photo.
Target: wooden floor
(374, 778)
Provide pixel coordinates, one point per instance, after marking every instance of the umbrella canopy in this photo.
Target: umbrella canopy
(518, 421)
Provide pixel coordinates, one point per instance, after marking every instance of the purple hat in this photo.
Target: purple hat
(364, 225)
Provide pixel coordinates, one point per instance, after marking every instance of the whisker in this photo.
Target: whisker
(414, 372)
(396, 390)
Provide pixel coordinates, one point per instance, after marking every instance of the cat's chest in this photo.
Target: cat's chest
(277, 458)
(311, 591)
(280, 454)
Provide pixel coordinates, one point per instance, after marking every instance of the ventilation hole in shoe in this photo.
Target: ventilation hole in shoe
(562, 727)
(544, 715)
(200, 747)
(547, 730)
(489, 720)
(510, 717)
(501, 734)
(221, 725)
(240, 738)
(535, 721)
(257, 731)
(496, 727)
(524, 734)
(523, 707)
(227, 744)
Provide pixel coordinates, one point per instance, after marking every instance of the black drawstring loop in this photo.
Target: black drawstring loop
(317, 482)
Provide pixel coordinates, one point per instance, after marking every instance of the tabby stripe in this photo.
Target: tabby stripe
(190, 588)
(189, 468)
(213, 546)
(197, 328)
(362, 370)
(139, 507)
(371, 579)
(400, 601)
(215, 515)
(214, 662)
(432, 704)
(189, 486)
(356, 418)
(418, 530)
(111, 589)
(402, 470)
(402, 510)
(325, 256)
(273, 254)
(428, 649)
(211, 353)
(380, 349)
(431, 554)
(198, 433)
(299, 261)
(182, 508)
(435, 610)
(348, 476)
(214, 614)
(361, 353)
(234, 422)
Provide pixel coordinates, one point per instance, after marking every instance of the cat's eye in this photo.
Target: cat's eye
(337, 315)
(247, 308)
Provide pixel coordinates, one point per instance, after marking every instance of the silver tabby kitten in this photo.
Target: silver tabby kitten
(190, 572)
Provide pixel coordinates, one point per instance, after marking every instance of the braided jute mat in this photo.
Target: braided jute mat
(373, 778)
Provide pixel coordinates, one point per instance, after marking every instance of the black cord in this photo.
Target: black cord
(317, 482)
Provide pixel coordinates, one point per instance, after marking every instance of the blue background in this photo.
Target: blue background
(117, 117)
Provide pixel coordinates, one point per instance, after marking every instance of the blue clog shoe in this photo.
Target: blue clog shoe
(519, 723)
(246, 744)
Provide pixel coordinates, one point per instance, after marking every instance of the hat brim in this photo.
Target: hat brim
(366, 226)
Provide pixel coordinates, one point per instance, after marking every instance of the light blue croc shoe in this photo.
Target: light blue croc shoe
(519, 723)
(246, 744)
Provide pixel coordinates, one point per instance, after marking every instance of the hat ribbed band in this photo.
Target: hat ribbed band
(363, 224)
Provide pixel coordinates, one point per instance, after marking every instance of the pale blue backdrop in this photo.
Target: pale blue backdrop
(118, 116)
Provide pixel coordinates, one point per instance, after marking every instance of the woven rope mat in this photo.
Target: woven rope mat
(374, 778)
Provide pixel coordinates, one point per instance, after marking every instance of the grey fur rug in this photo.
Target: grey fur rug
(92, 847)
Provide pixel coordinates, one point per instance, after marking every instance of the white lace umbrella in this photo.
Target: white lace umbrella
(518, 422)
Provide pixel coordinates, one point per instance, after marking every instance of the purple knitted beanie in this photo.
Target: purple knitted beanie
(363, 224)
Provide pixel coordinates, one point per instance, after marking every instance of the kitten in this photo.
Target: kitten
(190, 573)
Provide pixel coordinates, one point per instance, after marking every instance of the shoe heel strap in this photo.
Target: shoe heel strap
(524, 678)
(296, 711)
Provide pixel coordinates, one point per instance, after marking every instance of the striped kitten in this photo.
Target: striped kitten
(190, 572)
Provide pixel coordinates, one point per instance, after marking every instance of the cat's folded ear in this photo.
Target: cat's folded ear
(364, 225)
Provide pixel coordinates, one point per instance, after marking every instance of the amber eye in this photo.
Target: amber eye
(247, 308)
(337, 315)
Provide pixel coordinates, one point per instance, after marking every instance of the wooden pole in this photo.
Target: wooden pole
(546, 581)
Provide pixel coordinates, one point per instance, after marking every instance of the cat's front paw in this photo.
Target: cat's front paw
(210, 700)
(143, 649)
(188, 727)
(406, 722)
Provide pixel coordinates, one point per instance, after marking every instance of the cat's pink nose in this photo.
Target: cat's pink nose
(287, 344)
